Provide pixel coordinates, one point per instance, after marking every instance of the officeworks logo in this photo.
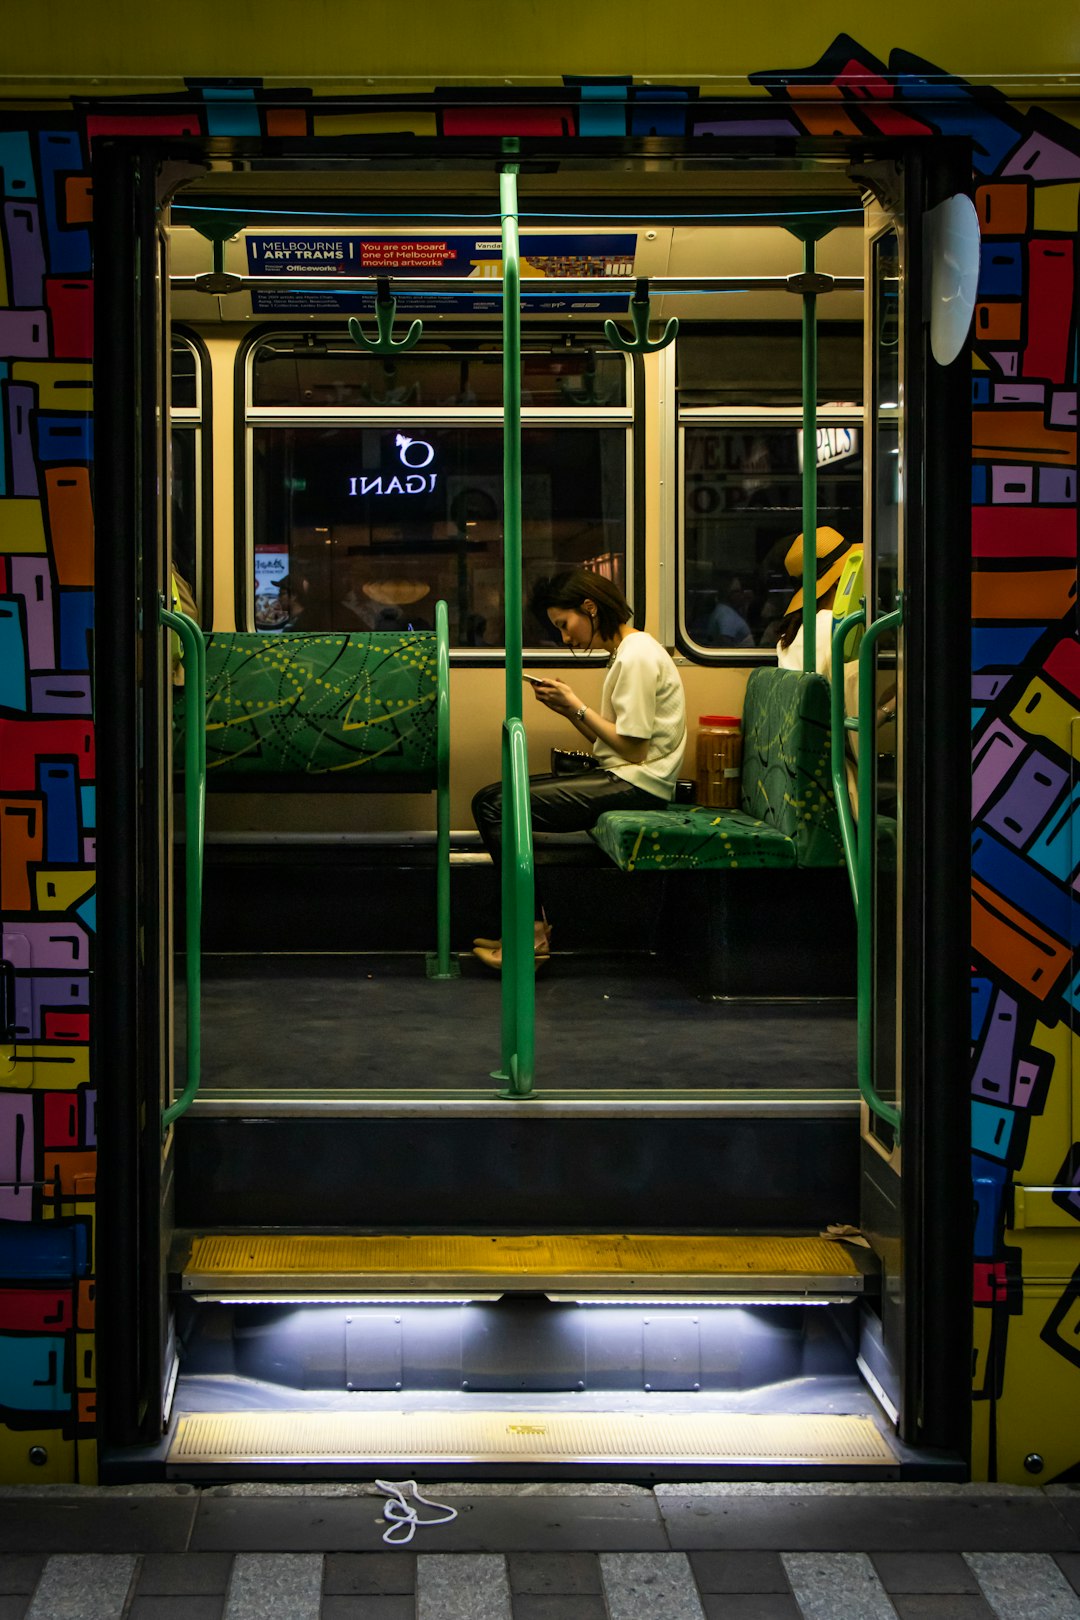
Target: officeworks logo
(415, 455)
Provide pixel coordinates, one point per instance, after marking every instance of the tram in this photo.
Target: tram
(769, 1170)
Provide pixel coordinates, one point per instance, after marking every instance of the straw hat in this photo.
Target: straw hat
(395, 592)
(832, 549)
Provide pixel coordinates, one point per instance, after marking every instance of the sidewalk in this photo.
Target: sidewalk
(543, 1552)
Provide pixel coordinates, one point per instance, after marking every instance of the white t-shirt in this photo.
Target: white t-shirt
(791, 657)
(643, 697)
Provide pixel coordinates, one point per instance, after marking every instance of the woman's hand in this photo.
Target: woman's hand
(558, 697)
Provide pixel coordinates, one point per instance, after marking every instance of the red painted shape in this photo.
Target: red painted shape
(991, 1282)
(67, 1026)
(35, 1310)
(98, 124)
(509, 120)
(60, 1119)
(1023, 531)
(1049, 305)
(1063, 666)
(71, 312)
(24, 743)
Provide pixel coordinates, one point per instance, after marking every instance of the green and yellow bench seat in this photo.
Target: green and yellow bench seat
(787, 814)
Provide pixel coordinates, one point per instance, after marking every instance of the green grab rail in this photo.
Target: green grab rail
(809, 478)
(640, 310)
(385, 312)
(836, 736)
(191, 638)
(440, 965)
(518, 946)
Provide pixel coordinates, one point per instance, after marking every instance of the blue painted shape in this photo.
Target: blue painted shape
(65, 438)
(68, 245)
(231, 110)
(1060, 838)
(1001, 271)
(12, 655)
(1002, 649)
(982, 992)
(989, 1182)
(652, 112)
(33, 1373)
(976, 716)
(603, 109)
(88, 912)
(16, 164)
(979, 486)
(1072, 994)
(56, 782)
(952, 110)
(980, 395)
(76, 622)
(88, 805)
(54, 1252)
(1017, 880)
(991, 1129)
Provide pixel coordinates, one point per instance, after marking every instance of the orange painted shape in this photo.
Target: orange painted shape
(1041, 595)
(71, 524)
(86, 1405)
(85, 1308)
(78, 199)
(72, 1169)
(998, 322)
(286, 121)
(22, 843)
(1027, 955)
(1020, 436)
(822, 119)
(1003, 209)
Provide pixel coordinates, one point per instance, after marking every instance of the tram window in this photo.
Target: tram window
(756, 364)
(741, 508)
(186, 481)
(369, 525)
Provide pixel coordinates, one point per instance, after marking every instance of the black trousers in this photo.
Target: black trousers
(559, 804)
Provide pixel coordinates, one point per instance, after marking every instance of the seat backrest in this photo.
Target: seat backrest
(786, 770)
(311, 705)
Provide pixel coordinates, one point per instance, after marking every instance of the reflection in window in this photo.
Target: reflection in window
(186, 482)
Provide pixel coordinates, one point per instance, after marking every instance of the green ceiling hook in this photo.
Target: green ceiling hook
(639, 314)
(385, 310)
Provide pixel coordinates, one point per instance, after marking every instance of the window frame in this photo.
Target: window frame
(198, 420)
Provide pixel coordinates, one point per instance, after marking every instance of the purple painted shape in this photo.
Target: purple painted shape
(1024, 1083)
(1063, 407)
(1040, 158)
(1057, 486)
(985, 688)
(89, 851)
(60, 945)
(24, 478)
(998, 751)
(89, 1122)
(60, 694)
(1017, 393)
(16, 1156)
(31, 579)
(33, 996)
(24, 334)
(1008, 360)
(1028, 800)
(1012, 486)
(994, 1067)
(27, 283)
(745, 126)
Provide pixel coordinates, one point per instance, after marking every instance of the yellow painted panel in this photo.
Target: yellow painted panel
(1049, 1255)
(1042, 712)
(62, 385)
(59, 891)
(374, 123)
(983, 1327)
(85, 1361)
(16, 1467)
(1051, 1131)
(1056, 208)
(51, 1068)
(1039, 1410)
(22, 527)
(88, 1462)
(977, 364)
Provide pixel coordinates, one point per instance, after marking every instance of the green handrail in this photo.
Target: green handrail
(838, 757)
(440, 966)
(809, 460)
(191, 638)
(518, 946)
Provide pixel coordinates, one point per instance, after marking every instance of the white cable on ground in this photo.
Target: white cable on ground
(402, 1516)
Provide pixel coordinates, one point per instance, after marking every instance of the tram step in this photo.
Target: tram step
(283, 1265)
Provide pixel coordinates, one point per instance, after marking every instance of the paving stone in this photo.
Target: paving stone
(173, 1574)
(650, 1586)
(739, 1572)
(283, 1524)
(942, 1606)
(369, 1573)
(751, 1606)
(14, 1606)
(185, 1607)
(19, 1573)
(556, 1524)
(560, 1606)
(1069, 1563)
(1024, 1586)
(560, 1574)
(452, 1585)
(92, 1524)
(393, 1606)
(83, 1586)
(275, 1584)
(924, 1572)
(837, 1586)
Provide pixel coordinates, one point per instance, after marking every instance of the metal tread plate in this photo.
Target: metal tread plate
(419, 1263)
(391, 1438)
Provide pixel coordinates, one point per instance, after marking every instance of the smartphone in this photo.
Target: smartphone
(535, 680)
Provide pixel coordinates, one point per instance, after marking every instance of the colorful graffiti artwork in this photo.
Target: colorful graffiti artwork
(1026, 678)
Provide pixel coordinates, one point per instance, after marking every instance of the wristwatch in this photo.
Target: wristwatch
(579, 714)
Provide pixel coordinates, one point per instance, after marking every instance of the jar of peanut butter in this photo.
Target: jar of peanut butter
(719, 761)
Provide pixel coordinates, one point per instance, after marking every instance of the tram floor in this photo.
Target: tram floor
(356, 1021)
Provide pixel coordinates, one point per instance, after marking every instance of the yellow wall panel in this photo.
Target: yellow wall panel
(374, 123)
(22, 528)
(16, 1467)
(1051, 1131)
(1056, 208)
(1042, 712)
(62, 385)
(1038, 1411)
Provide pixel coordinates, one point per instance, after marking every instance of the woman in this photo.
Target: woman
(637, 735)
(832, 550)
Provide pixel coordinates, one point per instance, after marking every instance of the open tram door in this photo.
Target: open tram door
(910, 807)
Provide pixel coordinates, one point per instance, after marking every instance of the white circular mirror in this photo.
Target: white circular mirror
(952, 246)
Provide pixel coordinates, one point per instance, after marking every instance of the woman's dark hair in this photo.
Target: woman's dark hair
(571, 588)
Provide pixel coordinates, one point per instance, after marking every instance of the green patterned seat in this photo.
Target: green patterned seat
(788, 813)
(336, 710)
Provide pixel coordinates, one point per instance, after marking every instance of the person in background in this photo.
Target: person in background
(832, 550)
(726, 626)
(637, 734)
(291, 603)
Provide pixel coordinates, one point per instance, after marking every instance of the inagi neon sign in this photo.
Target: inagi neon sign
(415, 455)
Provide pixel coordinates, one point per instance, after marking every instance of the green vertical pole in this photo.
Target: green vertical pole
(440, 965)
(809, 476)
